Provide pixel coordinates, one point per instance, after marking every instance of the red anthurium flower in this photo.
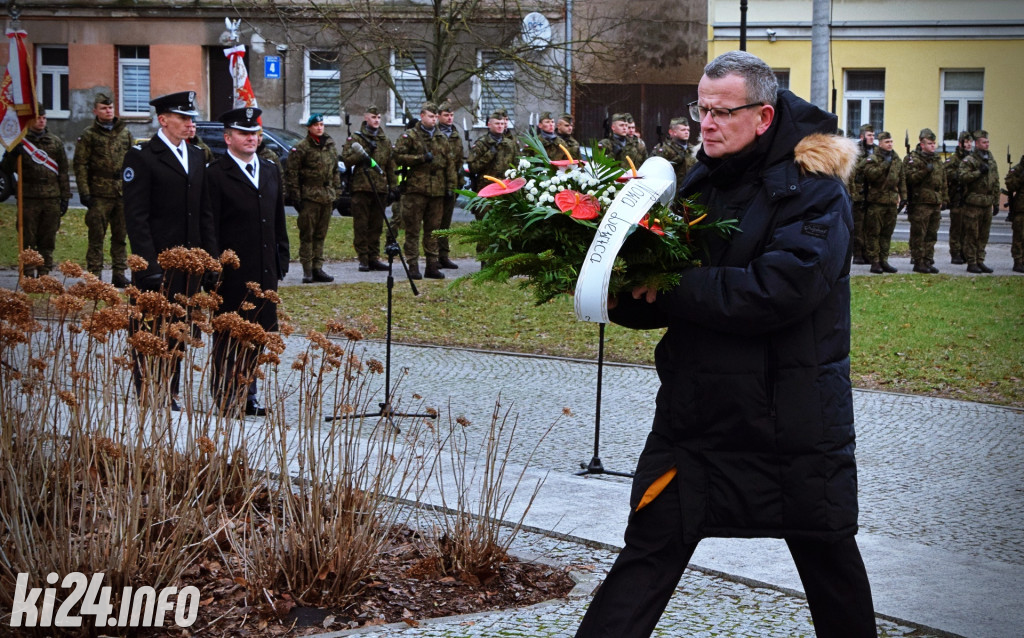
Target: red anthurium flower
(653, 226)
(500, 187)
(579, 205)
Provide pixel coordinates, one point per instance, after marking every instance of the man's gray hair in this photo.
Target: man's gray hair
(762, 85)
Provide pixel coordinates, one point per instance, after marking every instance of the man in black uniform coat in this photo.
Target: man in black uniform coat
(165, 205)
(248, 206)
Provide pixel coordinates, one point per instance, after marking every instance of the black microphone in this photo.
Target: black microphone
(358, 148)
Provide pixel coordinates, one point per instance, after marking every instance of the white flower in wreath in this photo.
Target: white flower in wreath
(524, 164)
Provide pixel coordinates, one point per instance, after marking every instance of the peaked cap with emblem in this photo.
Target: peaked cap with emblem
(926, 134)
(242, 119)
(884, 135)
(546, 115)
(980, 133)
(373, 109)
(566, 117)
(102, 98)
(182, 103)
(428, 107)
(445, 107)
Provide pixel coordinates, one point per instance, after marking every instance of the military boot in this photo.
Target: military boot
(414, 269)
(364, 265)
(444, 262)
(931, 266)
(876, 267)
(307, 275)
(433, 270)
(376, 264)
(973, 268)
(119, 280)
(322, 277)
(957, 259)
(920, 265)
(886, 267)
(984, 268)
(1018, 265)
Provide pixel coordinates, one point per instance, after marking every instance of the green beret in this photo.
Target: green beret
(373, 109)
(102, 98)
(965, 135)
(567, 117)
(315, 118)
(866, 128)
(546, 115)
(926, 134)
(676, 121)
(884, 135)
(980, 133)
(429, 107)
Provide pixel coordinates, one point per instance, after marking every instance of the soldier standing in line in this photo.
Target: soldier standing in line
(1015, 191)
(99, 155)
(979, 174)
(264, 152)
(676, 149)
(370, 187)
(926, 186)
(198, 142)
(492, 154)
(636, 139)
(446, 126)
(312, 183)
(886, 190)
(46, 188)
(965, 145)
(548, 137)
(856, 186)
(564, 127)
(619, 144)
(425, 152)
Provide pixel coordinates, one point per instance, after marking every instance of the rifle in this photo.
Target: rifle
(906, 140)
(657, 129)
(906, 143)
(348, 125)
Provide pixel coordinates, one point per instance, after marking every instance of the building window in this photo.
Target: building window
(52, 80)
(133, 81)
(963, 93)
(865, 100)
(408, 73)
(782, 75)
(495, 86)
(323, 85)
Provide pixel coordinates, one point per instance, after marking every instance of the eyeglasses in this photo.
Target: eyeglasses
(697, 112)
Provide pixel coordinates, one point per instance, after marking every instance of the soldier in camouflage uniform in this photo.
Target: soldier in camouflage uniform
(564, 127)
(99, 154)
(370, 187)
(548, 137)
(264, 152)
(312, 181)
(446, 126)
(955, 188)
(46, 188)
(886, 189)
(198, 142)
(424, 150)
(1015, 191)
(676, 149)
(979, 175)
(635, 137)
(926, 187)
(492, 154)
(620, 145)
(866, 146)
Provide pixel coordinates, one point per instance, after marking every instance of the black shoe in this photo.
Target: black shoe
(320, 276)
(860, 261)
(444, 262)
(957, 260)
(376, 264)
(253, 408)
(887, 268)
(984, 268)
(364, 268)
(876, 268)
(1018, 267)
(973, 268)
(414, 271)
(932, 269)
(922, 267)
(433, 272)
(307, 276)
(174, 406)
(119, 280)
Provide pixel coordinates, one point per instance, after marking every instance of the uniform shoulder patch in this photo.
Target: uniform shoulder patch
(819, 231)
(129, 174)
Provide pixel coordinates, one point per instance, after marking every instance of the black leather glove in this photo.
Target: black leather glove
(983, 168)
(394, 195)
(87, 200)
(428, 157)
(63, 207)
(150, 283)
(210, 280)
(995, 209)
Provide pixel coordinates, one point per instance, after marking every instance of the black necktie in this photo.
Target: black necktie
(251, 169)
(181, 153)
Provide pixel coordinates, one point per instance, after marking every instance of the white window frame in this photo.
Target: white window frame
(122, 63)
(318, 74)
(57, 72)
(963, 99)
(492, 78)
(785, 73)
(411, 74)
(865, 98)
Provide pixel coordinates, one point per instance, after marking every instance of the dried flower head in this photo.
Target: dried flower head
(70, 269)
(137, 263)
(463, 421)
(375, 366)
(247, 305)
(229, 259)
(567, 411)
(67, 398)
(206, 446)
(432, 412)
(68, 304)
(31, 258)
(285, 328)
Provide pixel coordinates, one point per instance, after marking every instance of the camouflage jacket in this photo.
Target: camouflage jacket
(550, 145)
(457, 156)
(926, 178)
(99, 154)
(679, 155)
(571, 145)
(39, 181)
(979, 174)
(377, 146)
(856, 183)
(622, 147)
(886, 182)
(953, 185)
(488, 157)
(312, 171)
(202, 146)
(424, 177)
(1015, 188)
(265, 153)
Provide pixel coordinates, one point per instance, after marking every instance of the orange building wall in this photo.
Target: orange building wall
(91, 66)
(174, 68)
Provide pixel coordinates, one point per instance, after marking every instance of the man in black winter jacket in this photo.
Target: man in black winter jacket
(753, 429)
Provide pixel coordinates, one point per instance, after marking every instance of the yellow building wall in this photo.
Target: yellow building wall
(913, 80)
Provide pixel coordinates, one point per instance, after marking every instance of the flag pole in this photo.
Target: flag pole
(21, 224)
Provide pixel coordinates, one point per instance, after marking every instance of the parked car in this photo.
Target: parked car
(280, 141)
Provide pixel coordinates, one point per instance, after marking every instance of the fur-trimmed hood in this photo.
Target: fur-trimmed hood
(823, 154)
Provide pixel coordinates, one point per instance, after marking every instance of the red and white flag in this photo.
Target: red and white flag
(39, 156)
(240, 77)
(17, 92)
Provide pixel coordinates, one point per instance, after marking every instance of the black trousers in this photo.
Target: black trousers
(640, 583)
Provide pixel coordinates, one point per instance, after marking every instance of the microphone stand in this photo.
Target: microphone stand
(392, 249)
(595, 466)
